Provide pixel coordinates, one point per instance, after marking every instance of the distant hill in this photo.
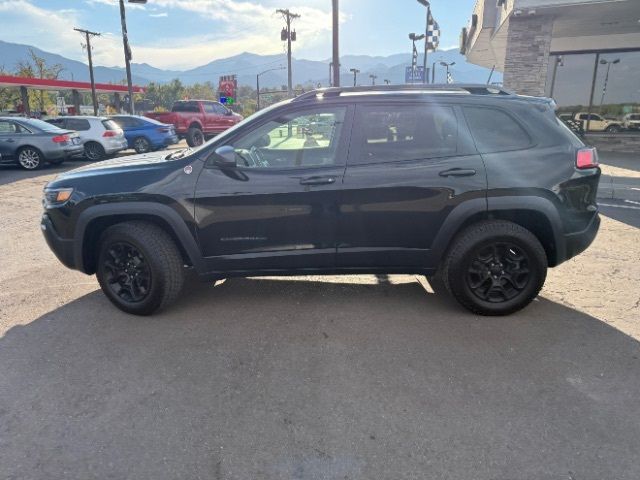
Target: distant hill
(247, 65)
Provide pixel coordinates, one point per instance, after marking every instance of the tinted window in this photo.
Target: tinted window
(495, 131)
(219, 109)
(396, 133)
(124, 122)
(209, 108)
(58, 122)
(302, 139)
(79, 124)
(185, 107)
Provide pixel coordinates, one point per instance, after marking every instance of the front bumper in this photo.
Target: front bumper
(62, 248)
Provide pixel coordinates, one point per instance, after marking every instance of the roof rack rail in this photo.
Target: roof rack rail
(471, 88)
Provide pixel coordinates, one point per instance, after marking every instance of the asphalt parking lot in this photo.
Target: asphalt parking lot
(363, 377)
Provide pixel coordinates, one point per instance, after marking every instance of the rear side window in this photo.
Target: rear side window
(495, 131)
(110, 125)
(404, 132)
(191, 107)
(78, 124)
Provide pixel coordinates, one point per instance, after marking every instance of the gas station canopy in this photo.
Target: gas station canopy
(50, 84)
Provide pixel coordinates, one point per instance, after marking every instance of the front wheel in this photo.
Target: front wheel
(495, 268)
(139, 267)
(614, 129)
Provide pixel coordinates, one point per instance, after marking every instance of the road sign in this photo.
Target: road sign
(414, 76)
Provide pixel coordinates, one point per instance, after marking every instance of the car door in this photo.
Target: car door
(212, 122)
(409, 166)
(277, 209)
(9, 140)
(225, 116)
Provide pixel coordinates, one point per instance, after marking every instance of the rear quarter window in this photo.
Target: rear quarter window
(495, 131)
(110, 125)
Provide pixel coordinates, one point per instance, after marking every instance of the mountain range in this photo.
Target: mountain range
(247, 65)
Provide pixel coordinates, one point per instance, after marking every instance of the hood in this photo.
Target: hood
(119, 165)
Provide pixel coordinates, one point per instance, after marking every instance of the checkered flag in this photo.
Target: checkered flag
(433, 34)
(449, 77)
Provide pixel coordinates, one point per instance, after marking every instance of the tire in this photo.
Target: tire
(140, 269)
(195, 137)
(142, 145)
(94, 151)
(495, 268)
(614, 129)
(30, 158)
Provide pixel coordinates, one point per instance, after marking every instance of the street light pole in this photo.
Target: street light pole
(608, 63)
(336, 44)
(258, 84)
(127, 50)
(426, 39)
(355, 72)
(447, 65)
(373, 78)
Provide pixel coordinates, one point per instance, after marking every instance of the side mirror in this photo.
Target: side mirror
(225, 156)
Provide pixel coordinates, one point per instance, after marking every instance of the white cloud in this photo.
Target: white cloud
(239, 26)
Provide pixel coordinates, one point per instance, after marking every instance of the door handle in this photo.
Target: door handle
(458, 172)
(317, 180)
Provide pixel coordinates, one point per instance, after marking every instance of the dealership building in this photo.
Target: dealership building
(583, 53)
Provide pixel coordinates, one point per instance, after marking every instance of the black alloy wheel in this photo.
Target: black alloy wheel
(499, 272)
(127, 272)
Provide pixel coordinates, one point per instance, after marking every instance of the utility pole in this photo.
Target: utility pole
(373, 78)
(289, 36)
(87, 35)
(336, 43)
(355, 72)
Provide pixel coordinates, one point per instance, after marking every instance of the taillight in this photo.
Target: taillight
(586, 158)
(60, 138)
(110, 133)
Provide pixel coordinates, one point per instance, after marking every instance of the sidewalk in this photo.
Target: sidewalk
(620, 176)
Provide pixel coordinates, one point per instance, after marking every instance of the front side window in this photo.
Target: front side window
(404, 132)
(495, 131)
(301, 139)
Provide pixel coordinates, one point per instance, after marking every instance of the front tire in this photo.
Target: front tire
(495, 268)
(30, 158)
(140, 269)
(195, 137)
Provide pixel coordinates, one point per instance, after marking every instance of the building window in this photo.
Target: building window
(605, 103)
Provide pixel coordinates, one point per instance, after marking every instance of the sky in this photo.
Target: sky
(182, 34)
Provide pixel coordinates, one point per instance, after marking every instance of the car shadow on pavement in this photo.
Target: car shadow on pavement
(293, 379)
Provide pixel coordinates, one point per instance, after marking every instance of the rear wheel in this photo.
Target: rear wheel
(94, 151)
(495, 268)
(139, 267)
(195, 137)
(30, 158)
(141, 145)
(614, 129)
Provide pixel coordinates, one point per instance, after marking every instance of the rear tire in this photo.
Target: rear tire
(94, 151)
(614, 129)
(495, 268)
(139, 267)
(195, 137)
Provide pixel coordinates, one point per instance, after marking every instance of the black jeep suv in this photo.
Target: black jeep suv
(477, 188)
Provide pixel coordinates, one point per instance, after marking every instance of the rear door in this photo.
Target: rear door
(9, 139)
(277, 209)
(409, 166)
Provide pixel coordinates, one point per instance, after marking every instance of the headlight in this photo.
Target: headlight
(56, 196)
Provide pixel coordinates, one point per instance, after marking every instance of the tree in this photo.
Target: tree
(9, 97)
(37, 67)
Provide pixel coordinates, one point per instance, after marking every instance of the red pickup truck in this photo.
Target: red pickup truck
(196, 120)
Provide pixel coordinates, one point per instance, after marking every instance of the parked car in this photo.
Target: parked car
(632, 121)
(100, 136)
(196, 120)
(31, 143)
(479, 189)
(146, 134)
(597, 123)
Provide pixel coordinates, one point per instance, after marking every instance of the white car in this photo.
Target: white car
(632, 121)
(100, 136)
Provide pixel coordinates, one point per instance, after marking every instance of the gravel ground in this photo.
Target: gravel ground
(357, 377)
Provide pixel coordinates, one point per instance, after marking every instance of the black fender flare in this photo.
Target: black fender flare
(159, 210)
(457, 217)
